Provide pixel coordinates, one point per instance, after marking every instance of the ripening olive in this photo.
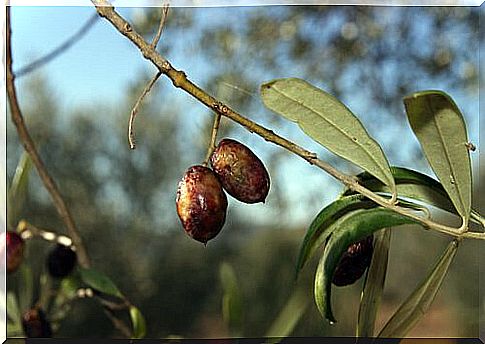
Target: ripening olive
(201, 203)
(241, 172)
(35, 324)
(354, 262)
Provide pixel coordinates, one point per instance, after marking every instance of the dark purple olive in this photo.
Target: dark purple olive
(35, 324)
(241, 172)
(201, 203)
(60, 261)
(15, 250)
(354, 262)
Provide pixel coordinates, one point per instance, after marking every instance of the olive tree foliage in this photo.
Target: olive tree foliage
(124, 200)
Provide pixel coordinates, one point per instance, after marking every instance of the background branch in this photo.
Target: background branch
(31, 149)
(48, 181)
(68, 43)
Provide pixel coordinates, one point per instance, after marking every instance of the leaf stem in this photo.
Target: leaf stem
(163, 19)
(212, 143)
(180, 80)
(134, 111)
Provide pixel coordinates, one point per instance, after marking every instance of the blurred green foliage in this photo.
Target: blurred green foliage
(123, 201)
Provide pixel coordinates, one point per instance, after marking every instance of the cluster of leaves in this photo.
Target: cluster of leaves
(440, 128)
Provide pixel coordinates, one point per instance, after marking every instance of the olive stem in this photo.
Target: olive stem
(134, 111)
(212, 143)
(180, 80)
(163, 19)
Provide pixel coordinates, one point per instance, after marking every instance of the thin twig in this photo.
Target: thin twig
(212, 143)
(28, 230)
(163, 19)
(68, 43)
(179, 79)
(134, 112)
(31, 149)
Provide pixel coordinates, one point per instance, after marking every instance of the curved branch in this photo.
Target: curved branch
(31, 149)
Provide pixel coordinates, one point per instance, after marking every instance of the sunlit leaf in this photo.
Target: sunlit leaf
(231, 299)
(349, 229)
(18, 189)
(374, 284)
(441, 130)
(319, 229)
(418, 303)
(13, 311)
(289, 316)
(138, 321)
(99, 282)
(329, 122)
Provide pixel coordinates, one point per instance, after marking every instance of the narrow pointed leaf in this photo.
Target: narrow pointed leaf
(289, 316)
(18, 190)
(418, 303)
(26, 288)
(138, 322)
(99, 282)
(374, 284)
(318, 232)
(348, 229)
(441, 130)
(13, 311)
(231, 299)
(329, 122)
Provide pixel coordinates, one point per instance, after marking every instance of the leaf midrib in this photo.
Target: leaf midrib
(447, 157)
(339, 129)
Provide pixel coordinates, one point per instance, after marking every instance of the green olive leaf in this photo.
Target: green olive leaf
(232, 303)
(99, 282)
(319, 229)
(374, 284)
(418, 303)
(18, 190)
(329, 122)
(416, 185)
(349, 229)
(26, 287)
(13, 311)
(138, 321)
(288, 317)
(440, 128)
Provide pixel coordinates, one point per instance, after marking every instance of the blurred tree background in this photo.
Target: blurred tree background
(124, 201)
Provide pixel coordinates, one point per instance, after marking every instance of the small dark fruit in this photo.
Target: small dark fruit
(201, 203)
(15, 250)
(241, 172)
(60, 261)
(35, 324)
(354, 262)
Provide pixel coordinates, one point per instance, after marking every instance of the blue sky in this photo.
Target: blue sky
(103, 63)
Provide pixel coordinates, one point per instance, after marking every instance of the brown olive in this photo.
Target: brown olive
(241, 172)
(201, 203)
(354, 262)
